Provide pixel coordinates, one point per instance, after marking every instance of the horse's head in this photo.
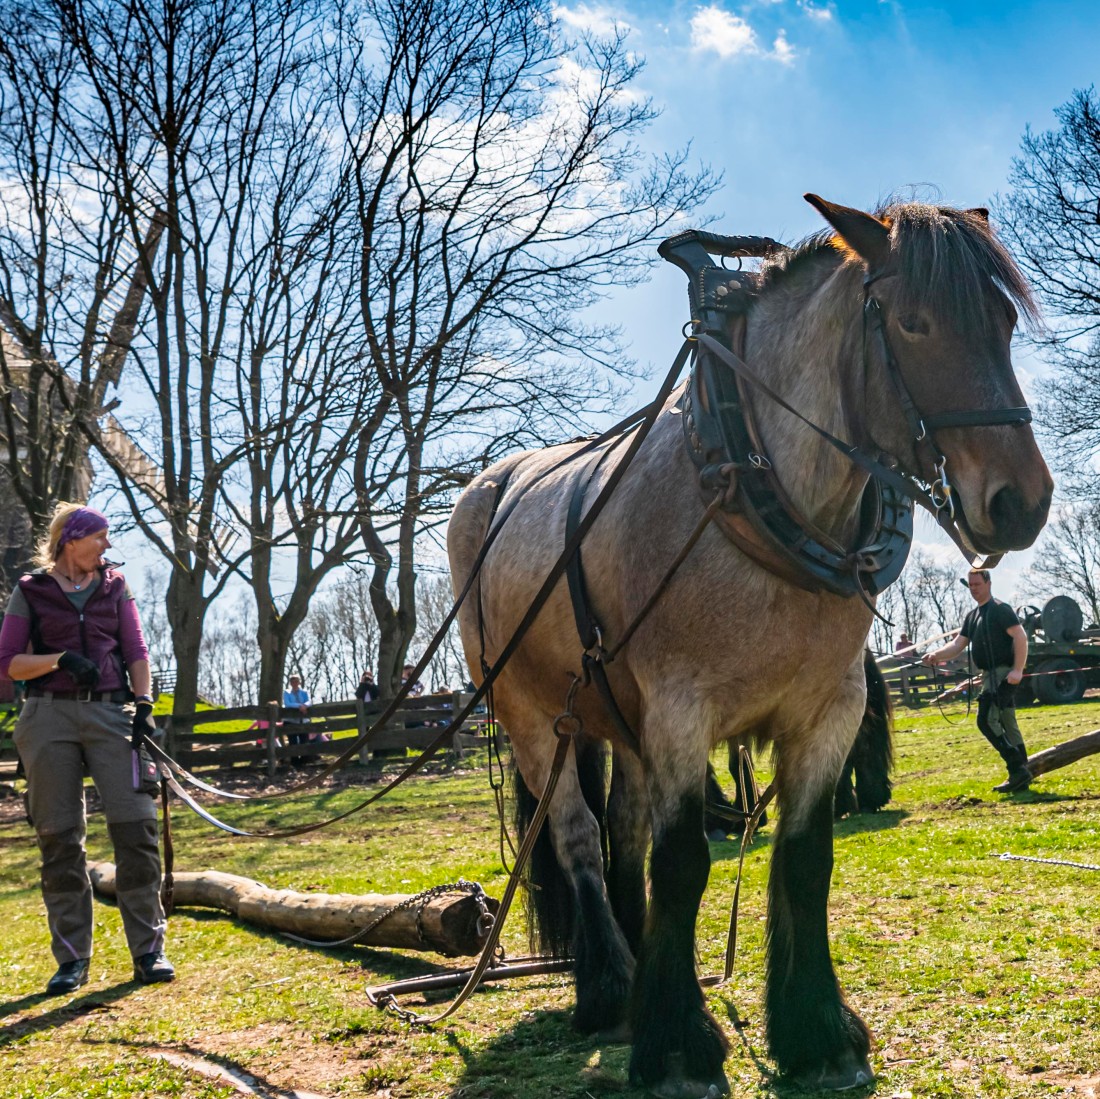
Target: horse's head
(947, 296)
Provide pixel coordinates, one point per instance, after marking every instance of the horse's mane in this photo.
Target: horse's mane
(946, 259)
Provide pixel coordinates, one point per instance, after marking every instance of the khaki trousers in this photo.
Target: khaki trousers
(57, 739)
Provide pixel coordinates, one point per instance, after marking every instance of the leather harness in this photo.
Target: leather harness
(753, 510)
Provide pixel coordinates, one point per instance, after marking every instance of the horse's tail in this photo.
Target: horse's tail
(873, 752)
(550, 906)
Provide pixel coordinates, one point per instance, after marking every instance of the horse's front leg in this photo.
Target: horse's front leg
(678, 1045)
(812, 1032)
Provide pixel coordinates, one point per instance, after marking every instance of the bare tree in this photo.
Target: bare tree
(499, 192)
(217, 116)
(1051, 217)
(338, 639)
(1068, 560)
(63, 269)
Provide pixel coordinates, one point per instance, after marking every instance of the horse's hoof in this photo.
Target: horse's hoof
(682, 1088)
(855, 1073)
(620, 1035)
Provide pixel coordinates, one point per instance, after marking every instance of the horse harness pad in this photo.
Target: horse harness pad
(722, 440)
(721, 437)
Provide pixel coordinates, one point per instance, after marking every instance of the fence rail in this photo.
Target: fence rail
(275, 735)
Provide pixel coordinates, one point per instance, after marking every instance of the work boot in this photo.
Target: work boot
(1019, 774)
(154, 967)
(69, 977)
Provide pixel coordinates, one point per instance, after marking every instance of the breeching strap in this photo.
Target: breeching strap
(643, 421)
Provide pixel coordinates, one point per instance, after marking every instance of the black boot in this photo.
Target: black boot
(1019, 774)
(69, 977)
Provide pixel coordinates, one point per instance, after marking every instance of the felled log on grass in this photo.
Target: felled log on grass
(1061, 755)
(444, 924)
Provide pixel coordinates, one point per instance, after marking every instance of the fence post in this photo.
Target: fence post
(170, 736)
(272, 737)
(457, 702)
(361, 726)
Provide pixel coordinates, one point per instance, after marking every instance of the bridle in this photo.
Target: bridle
(923, 426)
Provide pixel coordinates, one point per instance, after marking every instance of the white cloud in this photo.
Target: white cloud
(719, 31)
(782, 50)
(599, 20)
(822, 13)
(725, 34)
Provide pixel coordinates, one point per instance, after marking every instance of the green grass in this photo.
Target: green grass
(978, 977)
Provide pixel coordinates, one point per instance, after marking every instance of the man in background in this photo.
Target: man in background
(998, 646)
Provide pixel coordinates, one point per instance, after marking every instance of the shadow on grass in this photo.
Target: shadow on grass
(541, 1056)
(374, 960)
(869, 822)
(64, 1013)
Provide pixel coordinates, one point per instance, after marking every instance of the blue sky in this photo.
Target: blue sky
(855, 101)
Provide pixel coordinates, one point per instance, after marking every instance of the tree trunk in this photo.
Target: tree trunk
(446, 924)
(1061, 755)
(186, 608)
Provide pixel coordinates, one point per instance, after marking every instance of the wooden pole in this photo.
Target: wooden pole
(1061, 755)
(446, 924)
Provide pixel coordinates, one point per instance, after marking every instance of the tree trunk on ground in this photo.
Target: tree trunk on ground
(1061, 755)
(445, 924)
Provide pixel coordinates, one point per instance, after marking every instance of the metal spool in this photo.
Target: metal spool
(1062, 619)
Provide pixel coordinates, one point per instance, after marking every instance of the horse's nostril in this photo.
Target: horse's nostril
(1017, 524)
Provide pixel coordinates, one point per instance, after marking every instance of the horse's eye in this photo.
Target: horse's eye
(913, 325)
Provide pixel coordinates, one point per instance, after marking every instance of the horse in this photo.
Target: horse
(864, 785)
(734, 650)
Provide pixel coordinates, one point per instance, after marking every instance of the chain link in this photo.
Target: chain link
(1006, 857)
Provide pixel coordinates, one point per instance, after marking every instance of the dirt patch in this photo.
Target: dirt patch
(963, 801)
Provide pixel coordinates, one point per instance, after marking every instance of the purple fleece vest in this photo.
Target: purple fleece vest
(56, 625)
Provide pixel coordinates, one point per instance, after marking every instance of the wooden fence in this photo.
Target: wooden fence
(263, 738)
(914, 687)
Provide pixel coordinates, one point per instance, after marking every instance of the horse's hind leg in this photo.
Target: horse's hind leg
(678, 1045)
(603, 963)
(812, 1032)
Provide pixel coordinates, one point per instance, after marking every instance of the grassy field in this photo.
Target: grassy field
(978, 977)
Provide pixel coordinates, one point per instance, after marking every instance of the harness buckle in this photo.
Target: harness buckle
(940, 489)
(759, 461)
(923, 432)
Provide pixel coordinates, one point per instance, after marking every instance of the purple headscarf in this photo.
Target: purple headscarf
(80, 524)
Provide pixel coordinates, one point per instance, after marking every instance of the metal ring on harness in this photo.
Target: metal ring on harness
(563, 730)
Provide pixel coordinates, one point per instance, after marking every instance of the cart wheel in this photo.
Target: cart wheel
(1059, 680)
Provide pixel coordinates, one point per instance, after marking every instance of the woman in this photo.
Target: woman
(72, 632)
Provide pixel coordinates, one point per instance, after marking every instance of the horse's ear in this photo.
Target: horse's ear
(864, 234)
(979, 212)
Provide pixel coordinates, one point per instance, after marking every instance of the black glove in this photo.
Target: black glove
(143, 722)
(83, 671)
(1006, 695)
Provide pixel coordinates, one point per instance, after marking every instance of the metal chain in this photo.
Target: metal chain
(418, 901)
(1006, 857)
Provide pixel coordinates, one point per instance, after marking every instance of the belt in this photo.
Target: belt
(82, 694)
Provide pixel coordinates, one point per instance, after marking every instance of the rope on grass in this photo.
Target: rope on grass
(1006, 857)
